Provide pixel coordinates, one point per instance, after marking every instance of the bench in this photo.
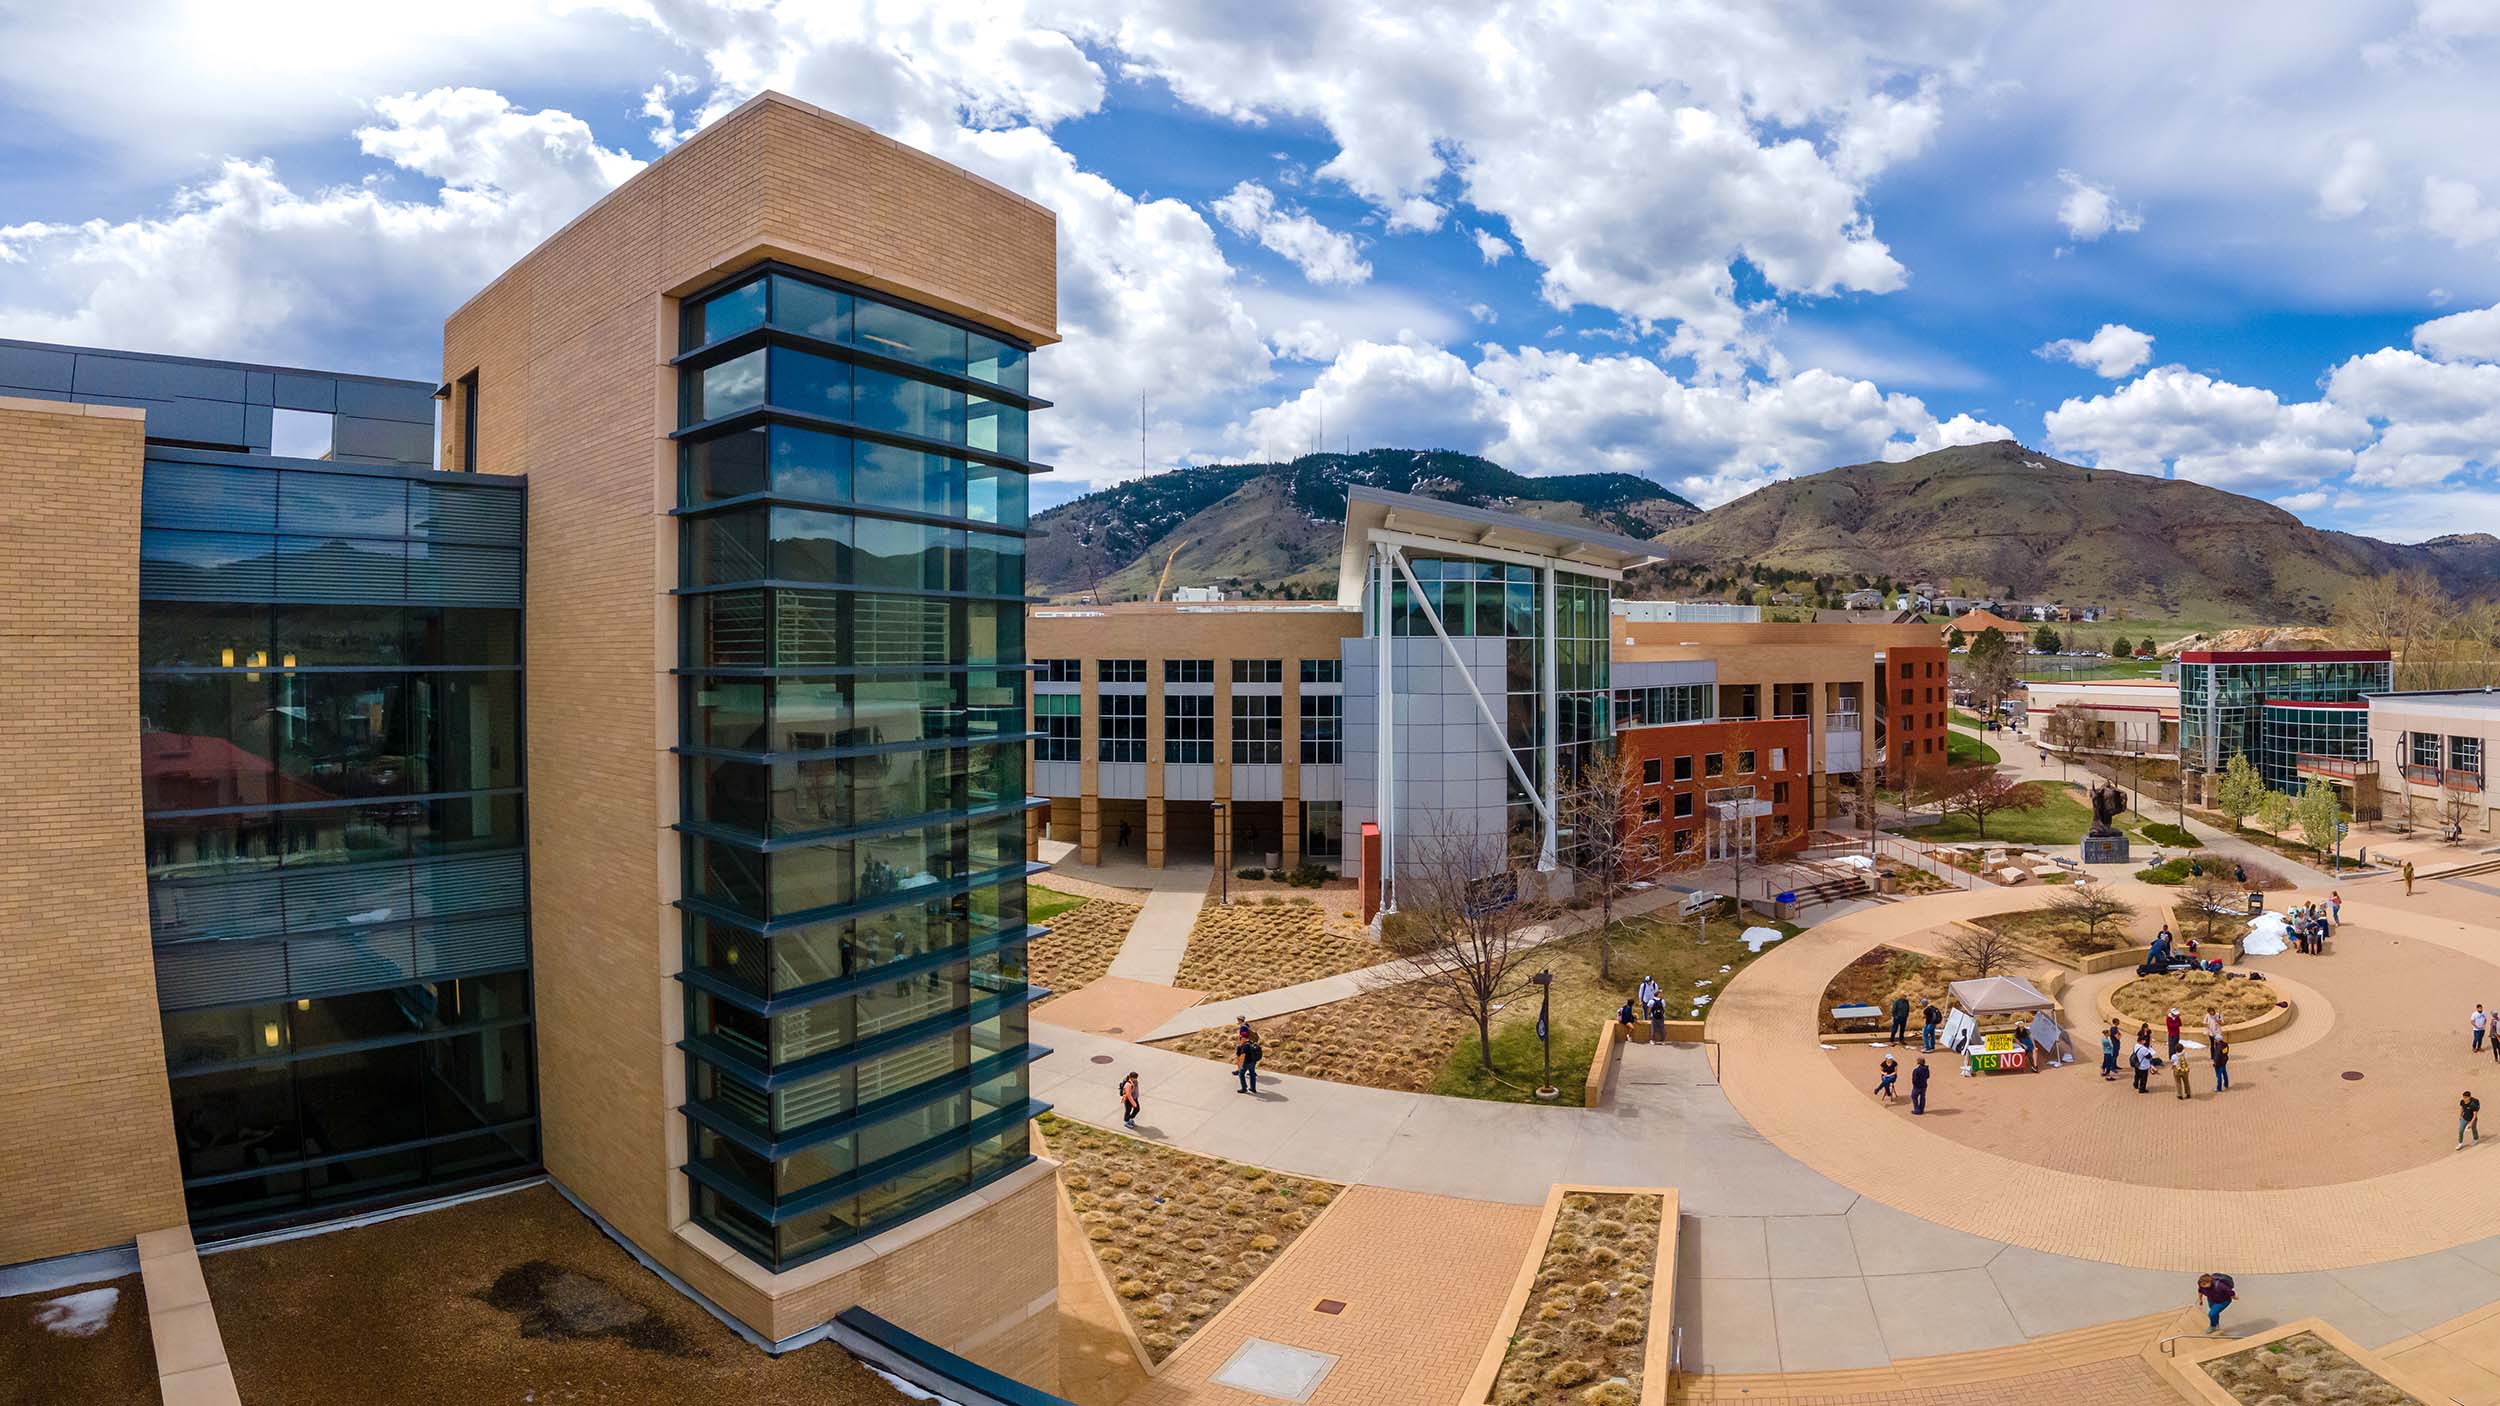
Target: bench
(1868, 1013)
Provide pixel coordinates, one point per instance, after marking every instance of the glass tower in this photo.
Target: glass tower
(2243, 703)
(330, 700)
(851, 595)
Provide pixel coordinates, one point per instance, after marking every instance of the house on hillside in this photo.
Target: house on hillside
(1971, 622)
(1862, 600)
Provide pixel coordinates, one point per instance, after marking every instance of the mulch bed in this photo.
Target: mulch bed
(1580, 1337)
(64, 1346)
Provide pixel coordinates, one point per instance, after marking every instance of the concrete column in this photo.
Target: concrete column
(1154, 828)
(1089, 828)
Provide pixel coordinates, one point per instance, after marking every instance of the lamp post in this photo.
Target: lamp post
(1544, 983)
(1223, 856)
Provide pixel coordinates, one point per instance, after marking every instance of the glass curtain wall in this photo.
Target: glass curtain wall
(2222, 710)
(330, 752)
(852, 526)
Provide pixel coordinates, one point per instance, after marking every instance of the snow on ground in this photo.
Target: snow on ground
(78, 1315)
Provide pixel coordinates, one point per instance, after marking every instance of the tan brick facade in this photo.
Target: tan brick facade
(570, 348)
(86, 1119)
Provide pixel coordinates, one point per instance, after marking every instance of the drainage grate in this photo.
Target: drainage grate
(1102, 1059)
(1330, 1306)
(2352, 1076)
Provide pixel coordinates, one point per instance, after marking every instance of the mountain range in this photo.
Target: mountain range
(1991, 519)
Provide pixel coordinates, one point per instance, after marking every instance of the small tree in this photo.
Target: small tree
(2089, 902)
(2275, 811)
(1955, 639)
(2214, 897)
(1990, 670)
(2045, 641)
(2319, 813)
(2240, 791)
(1454, 937)
(2119, 648)
(1870, 782)
(1982, 950)
(1607, 850)
(1982, 791)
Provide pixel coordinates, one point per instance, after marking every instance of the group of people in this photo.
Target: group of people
(1930, 1021)
(1887, 1086)
(1247, 1053)
(2143, 1061)
(2312, 923)
(1647, 1003)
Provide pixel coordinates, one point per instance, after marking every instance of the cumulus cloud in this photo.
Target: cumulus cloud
(2089, 211)
(2460, 336)
(1492, 246)
(2454, 210)
(1541, 411)
(1325, 256)
(2348, 189)
(2111, 352)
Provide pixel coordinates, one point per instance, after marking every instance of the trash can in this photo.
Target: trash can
(1784, 907)
(2256, 904)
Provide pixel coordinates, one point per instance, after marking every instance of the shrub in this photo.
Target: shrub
(2164, 833)
(1626, 1329)
(1567, 1373)
(1250, 871)
(1609, 1394)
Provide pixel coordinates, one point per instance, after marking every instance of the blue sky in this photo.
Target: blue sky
(2255, 247)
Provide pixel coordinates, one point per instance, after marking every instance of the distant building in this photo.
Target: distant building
(1709, 612)
(2293, 713)
(1973, 621)
(2431, 756)
(1862, 600)
(1198, 595)
(2115, 715)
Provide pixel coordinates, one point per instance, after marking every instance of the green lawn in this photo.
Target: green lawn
(2060, 822)
(1968, 720)
(1663, 946)
(1962, 749)
(1041, 904)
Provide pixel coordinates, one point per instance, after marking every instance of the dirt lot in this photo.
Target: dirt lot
(1081, 943)
(516, 1298)
(87, 1344)
(1389, 1039)
(1179, 1235)
(1246, 947)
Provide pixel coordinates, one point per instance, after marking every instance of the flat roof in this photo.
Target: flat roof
(2477, 704)
(1479, 530)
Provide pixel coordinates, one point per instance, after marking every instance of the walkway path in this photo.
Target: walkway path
(1160, 937)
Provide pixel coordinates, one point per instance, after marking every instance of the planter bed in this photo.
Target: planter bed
(1589, 1320)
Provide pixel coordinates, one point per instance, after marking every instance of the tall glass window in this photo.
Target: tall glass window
(854, 795)
(330, 753)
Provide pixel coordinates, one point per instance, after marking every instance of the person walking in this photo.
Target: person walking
(2171, 1024)
(1657, 1020)
(1928, 1025)
(2109, 1053)
(2408, 878)
(2221, 1055)
(1246, 1063)
(2215, 1291)
(1128, 1100)
(2481, 1022)
(1918, 1086)
(1647, 993)
(2335, 907)
(2495, 1050)
(2143, 1059)
(1900, 1019)
(1891, 1075)
(2179, 1073)
(2469, 1119)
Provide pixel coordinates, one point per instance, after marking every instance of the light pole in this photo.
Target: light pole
(1544, 982)
(1223, 856)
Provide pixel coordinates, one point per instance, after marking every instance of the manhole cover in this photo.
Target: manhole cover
(1106, 1059)
(1122, 1030)
(2352, 1075)
(1331, 1306)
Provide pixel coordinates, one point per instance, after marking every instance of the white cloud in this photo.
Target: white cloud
(2308, 502)
(2242, 438)
(2460, 336)
(2354, 183)
(1481, 312)
(244, 265)
(1539, 411)
(1325, 256)
(2454, 210)
(2089, 211)
(2111, 352)
(1492, 246)
(2436, 420)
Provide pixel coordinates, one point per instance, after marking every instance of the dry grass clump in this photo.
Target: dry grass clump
(1242, 948)
(1078, 949)
(1179, 1235)
(2053, 934)
(2302, 1368)
(1587, 1316)
(1883, 973)
(2149, 998)
(1386, 1039)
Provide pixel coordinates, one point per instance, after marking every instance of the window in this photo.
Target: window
(1258, 671)
(1684, 768)
(1714, 764)
(1649, 810)
(2466, 754)
(1683, 841)
(1779, 759)
(2425, 749)
(468, 423)
(1649, 771)
(1258, 729)
(1791, 700)
(1061, 670)
(1744, 762)
(1779, 793)
(1323, 830)
(1123, 670)
(1683, 805)
(1189, 671)
(1323, 671)
(1657, 707)
(1188, 725)
(1060, 718)
(1740, 700)
(1122, 727)
(1323, 729)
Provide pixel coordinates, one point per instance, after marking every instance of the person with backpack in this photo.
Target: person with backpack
(1246, 1057)
(1929, 1022)
(1128, 1100)
(2144, 1062)
(2216, 1291)
(2221, 1056)
(2469, 1119)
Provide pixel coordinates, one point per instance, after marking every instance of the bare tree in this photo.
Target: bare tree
(2214, 896)
(1868, 797)
(2091, 903)
(1982, 791)
(2456, 806)
(1609, 851)
(2064, 733)
(1990, 670)
(1459, 933)
(1982, 950)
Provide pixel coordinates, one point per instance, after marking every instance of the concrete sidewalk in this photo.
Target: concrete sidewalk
(1780, 1269)
(1159, 938)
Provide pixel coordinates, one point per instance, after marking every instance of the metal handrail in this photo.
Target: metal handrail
(1675, 1352)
